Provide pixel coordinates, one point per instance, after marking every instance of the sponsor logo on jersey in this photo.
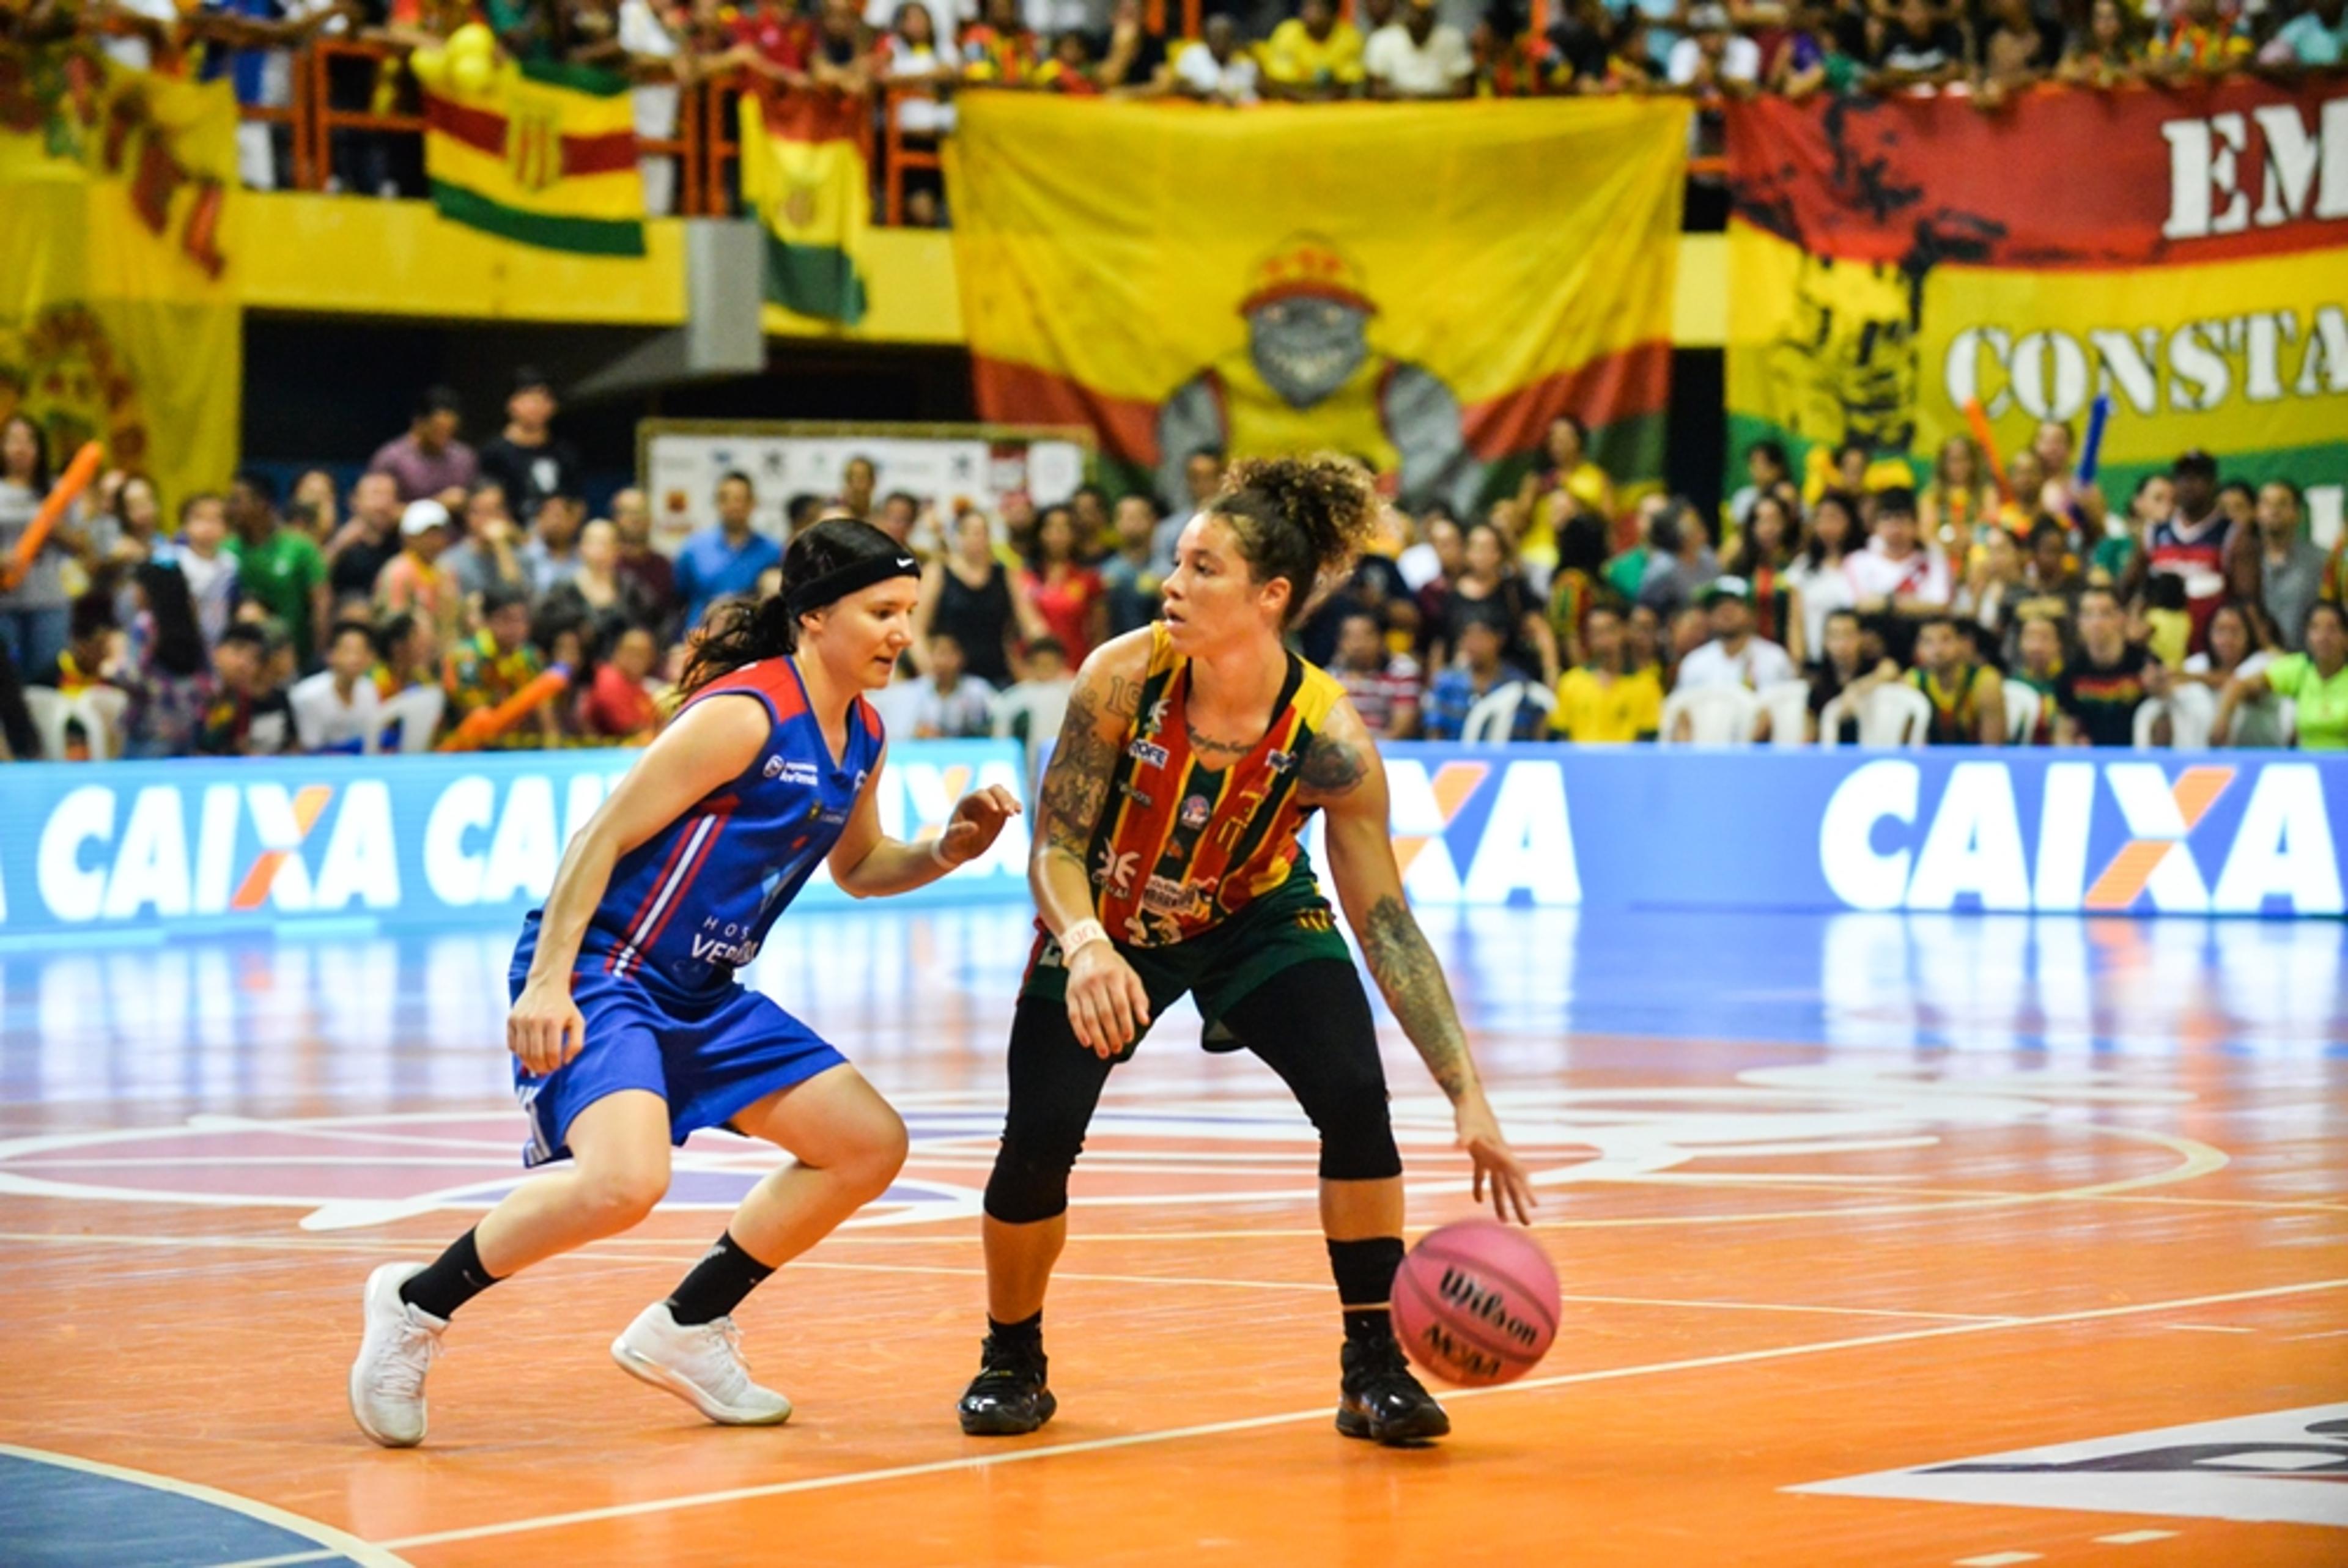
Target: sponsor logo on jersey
(1280, 761)
(1116, 871)
(718, 950)
(1146, 754)
(1174, 898)
(1196, 810)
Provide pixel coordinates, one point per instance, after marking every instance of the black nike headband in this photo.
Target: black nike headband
(802, 598)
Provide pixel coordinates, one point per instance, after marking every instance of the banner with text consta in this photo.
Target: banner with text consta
(2184, 250)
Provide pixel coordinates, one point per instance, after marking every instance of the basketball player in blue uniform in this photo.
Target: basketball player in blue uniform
(628, 1029)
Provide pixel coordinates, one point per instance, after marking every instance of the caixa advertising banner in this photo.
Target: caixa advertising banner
(2113, 832)
(183, 847)
(163, 847)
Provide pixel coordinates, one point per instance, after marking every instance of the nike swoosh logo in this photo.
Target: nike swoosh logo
(904, 560)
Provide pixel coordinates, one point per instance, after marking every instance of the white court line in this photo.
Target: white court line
(1317, 1413)
(2134, 1537)
(593, 1251)
(339, 1542)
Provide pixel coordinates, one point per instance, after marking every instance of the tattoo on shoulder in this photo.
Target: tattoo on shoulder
(1332, 766)
(1124, 696)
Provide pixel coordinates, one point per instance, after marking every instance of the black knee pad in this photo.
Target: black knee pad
(1357, 1141)
(1030, 1180)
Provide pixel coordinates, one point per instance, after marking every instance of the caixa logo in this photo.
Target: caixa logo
(2103, 837)
(167, 853)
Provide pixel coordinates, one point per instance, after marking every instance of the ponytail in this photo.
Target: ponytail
(736, 632)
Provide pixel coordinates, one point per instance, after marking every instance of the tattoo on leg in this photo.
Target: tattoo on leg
(1405, 968)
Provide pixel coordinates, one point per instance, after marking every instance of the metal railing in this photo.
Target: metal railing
(704, 143)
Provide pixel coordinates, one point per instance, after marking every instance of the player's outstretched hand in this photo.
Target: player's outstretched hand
(1107, 1005)
(977, 819)
(1497, 1165)
(545, 1028)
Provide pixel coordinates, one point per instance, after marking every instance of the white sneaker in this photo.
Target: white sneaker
(387, 1378)
(701, 1365)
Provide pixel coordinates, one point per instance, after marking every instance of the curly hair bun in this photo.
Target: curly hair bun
(1327, 499)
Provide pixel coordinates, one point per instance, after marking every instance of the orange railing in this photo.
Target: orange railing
(704, 144)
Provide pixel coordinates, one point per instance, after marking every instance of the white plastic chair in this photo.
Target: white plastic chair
(101, 709)
(1042, 710)
(895, 703)
(50, 714)
(416, 711)
(1494, 716)
(1787, 703)
(2268, 721)
(2023, 702)
(1716, 715)
(1894, 715)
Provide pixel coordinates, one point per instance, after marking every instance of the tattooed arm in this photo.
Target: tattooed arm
(1342, 774)
(1106, 1004)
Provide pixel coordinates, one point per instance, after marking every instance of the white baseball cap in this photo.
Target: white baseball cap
(422, 514)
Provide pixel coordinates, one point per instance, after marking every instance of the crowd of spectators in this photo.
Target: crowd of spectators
(1245, 52)
(2020, 608)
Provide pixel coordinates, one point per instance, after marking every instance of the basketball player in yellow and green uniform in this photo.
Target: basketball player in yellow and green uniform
(1167, 862)
(1968, 697)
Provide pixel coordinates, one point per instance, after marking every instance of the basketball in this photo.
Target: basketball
(1475, 1304)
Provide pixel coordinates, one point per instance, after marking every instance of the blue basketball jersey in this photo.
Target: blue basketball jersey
(691, 905)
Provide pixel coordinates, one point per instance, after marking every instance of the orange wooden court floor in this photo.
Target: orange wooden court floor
(1871, 1209)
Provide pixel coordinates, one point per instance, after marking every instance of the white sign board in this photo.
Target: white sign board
(948, 466)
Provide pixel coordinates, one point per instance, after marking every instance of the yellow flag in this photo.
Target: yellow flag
(119, 320)
(1420, 285)
(543, 154)
(803, 171)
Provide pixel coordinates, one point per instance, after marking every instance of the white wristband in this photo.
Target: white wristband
(938, 851)
(1082, 934)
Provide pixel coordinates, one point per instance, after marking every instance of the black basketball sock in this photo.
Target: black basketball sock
(717, 1283)
(449, 1281)
(1365, 1271)
(1027, 1334)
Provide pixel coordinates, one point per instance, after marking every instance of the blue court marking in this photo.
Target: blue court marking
(67, 1512)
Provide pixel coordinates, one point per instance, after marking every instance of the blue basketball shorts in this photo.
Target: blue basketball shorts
(708, 1057)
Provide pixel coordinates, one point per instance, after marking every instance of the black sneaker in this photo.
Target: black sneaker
(1007, 1398)
(1380, 1400)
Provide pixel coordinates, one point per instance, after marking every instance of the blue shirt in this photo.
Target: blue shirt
(708, 569)
(244, 68)
(693, 902)
(1454, 692)
(2305, 39)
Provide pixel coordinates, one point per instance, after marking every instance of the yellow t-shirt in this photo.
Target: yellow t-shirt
(1292, 59)
(2172, 634)
(1594, 710)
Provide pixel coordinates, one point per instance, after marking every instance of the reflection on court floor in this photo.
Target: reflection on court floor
(1885, 1239)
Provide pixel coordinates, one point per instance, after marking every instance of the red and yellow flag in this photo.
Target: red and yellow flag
(542, 154)
(804, 173)
(1424, 286)
(2183, 251)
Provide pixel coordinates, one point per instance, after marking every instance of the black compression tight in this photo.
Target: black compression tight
(1310, 1024)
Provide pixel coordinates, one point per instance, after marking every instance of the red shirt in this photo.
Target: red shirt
(615, 706)
(1066, 605)
(784, 39)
